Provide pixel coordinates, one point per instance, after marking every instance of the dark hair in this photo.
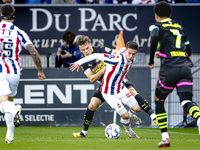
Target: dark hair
(132, 45)
(7, 12)
(82, 40)
(163, 9)
(69, 37)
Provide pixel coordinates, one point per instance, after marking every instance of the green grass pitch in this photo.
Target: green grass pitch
(60, 138)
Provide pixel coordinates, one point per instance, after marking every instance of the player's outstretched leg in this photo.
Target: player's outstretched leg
(146, 108)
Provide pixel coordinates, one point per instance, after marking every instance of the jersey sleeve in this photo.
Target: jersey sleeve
(154, 33)
(110, 59)
(24, 38)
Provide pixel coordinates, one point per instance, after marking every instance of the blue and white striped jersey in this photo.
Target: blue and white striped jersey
(116, 70)
(11, 40)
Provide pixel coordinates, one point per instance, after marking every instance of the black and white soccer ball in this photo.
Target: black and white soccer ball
(113, 131)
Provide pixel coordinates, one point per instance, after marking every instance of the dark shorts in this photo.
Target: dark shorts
(170, 78)
(98, 94)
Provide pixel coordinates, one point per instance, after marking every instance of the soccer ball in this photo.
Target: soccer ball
(113, 131)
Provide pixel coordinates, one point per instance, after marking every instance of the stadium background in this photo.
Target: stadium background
(62, 98)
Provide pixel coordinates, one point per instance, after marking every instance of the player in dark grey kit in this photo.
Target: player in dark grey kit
(175, 69)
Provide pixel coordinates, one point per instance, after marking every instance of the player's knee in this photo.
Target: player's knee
(185, 97)
(93, 107)
(137, 109)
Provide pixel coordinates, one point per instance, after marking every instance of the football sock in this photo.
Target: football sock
(7, 107)
(10, 125)
(165, 136)
(84, 132)
(192, 109)
(126, 124)
(161, 115)
(88, 119)
(131, 112)
(144, 104)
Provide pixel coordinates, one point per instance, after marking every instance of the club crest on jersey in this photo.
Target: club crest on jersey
(119, 105)
(107, 49)
(110, 56)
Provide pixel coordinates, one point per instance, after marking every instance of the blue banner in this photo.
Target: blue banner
(46, 24)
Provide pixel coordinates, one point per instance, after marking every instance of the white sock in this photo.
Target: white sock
(131, 113)
(153, 116)
(7, 107)
(165, 136)
(126, 124)
(198, 122)
(84, 132)
(10, 125)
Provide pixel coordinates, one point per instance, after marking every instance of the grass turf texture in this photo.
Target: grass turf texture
(60, 138)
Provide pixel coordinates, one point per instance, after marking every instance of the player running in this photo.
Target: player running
(175, 69)
(12, 39)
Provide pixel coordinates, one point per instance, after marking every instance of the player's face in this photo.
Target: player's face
(130, 54)
(86, 49)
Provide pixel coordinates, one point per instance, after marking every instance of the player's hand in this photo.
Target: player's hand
(74, 66)
(151, 66)
(157, 54)
(41, 76)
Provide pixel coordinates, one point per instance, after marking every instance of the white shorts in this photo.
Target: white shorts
(115, 101)
(9, 84)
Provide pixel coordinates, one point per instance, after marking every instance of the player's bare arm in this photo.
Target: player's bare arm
(94, 77)
(36, 58)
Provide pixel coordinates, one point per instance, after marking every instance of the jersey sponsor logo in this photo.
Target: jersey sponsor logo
(107, 49)
(110, 56)
(90, 65)
(177, 53)
(98, 67)
(175, 25)
(128, 95)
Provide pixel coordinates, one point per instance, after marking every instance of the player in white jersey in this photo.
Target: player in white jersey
(112, 87)
(11, 41)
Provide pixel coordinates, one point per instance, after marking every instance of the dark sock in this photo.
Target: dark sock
(144, 104)
(88, 119)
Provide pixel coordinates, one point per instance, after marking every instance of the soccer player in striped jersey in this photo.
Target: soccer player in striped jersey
(11, 40)
(124, 121)
(175, 69)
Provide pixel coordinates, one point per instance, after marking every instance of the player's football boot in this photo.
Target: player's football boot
(136, 119)
(156, 121)
(9, 140)
(132, 134)
(164, 144)
(78, 134)
(16, 116)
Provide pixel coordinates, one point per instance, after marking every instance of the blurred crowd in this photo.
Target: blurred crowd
(94, 1)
